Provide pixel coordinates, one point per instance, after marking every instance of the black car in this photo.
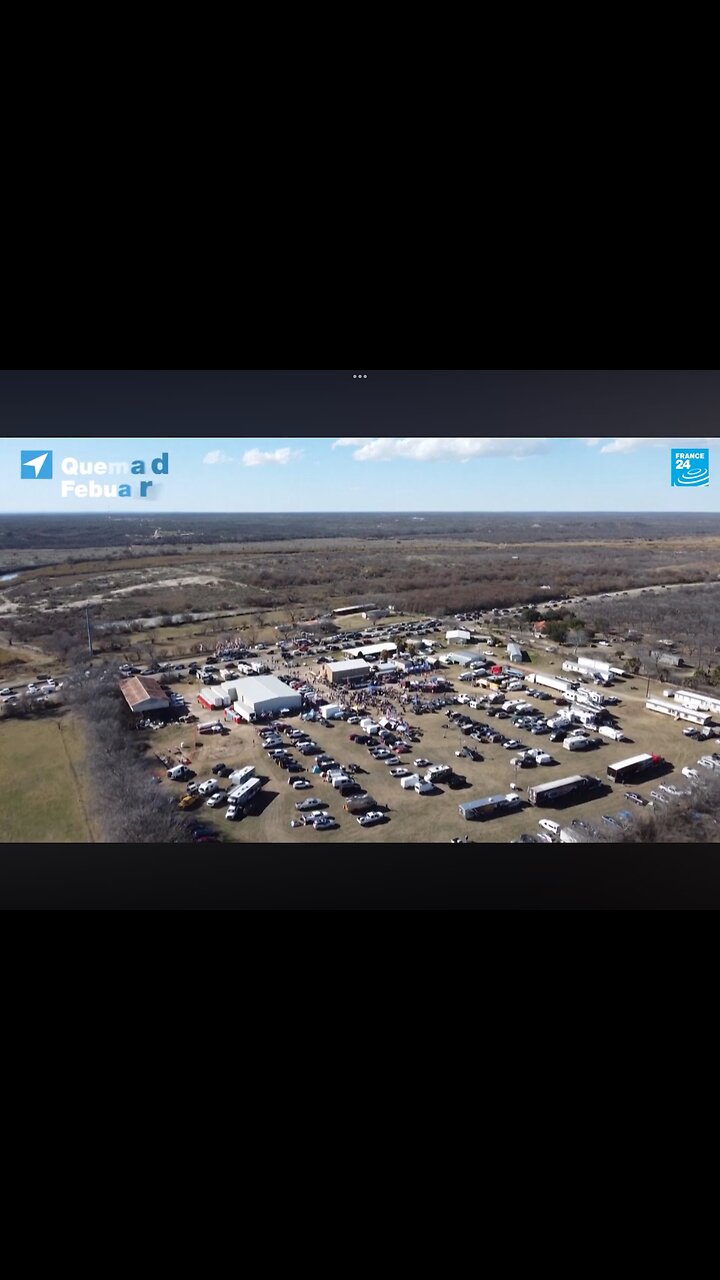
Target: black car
(218, 768)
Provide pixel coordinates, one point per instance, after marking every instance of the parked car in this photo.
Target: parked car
(636, 799)
(217, 800)
(299, 784)
(310, 804)
(371, 819)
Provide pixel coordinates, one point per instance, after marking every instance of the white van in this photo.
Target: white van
(423, 788)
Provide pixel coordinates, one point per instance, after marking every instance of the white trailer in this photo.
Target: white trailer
(550, 682)
(572, 666)
(239, 776)
(608, 731)
(678, 713)
(243, 794)
(695, 701)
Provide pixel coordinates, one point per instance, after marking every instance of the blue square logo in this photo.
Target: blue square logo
(689, 468)
(36, 464)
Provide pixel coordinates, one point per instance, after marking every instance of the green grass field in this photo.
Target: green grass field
(40, 800)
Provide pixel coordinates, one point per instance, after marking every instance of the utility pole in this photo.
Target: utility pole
(89, 631)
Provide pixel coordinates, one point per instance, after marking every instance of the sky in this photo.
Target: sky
(325, 440)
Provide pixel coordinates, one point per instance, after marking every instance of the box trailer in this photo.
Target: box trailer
(634, 767)
(608, 731)
(576, 744)
(488, 807)
(549, 793)
(550, 682)
(678, 712)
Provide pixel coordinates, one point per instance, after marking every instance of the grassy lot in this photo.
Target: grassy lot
(40, 800)
(14, 661)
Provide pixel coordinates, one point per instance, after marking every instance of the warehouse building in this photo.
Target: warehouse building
(458, 637)
(263, 695)
(144, 695)
(352, 671)
(464, 658)
(371, 650)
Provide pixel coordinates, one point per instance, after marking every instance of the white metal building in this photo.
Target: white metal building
(260, 695)
(370, 650)
(457, 637)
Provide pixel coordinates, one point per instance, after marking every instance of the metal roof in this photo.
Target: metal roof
(141, 689)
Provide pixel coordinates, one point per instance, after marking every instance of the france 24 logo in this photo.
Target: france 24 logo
(690, 468)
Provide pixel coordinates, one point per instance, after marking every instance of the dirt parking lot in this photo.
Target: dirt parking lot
(434, 818)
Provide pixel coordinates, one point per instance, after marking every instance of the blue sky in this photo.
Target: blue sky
(368, 473)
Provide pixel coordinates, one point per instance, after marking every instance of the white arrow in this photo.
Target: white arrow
(38, 463)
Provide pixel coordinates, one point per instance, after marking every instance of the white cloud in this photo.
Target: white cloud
(216, 456)
(441, 448)
(264, 458)
(630, 444)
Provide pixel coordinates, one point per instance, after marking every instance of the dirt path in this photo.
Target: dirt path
(92, 838)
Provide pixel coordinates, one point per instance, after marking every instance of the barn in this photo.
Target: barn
(514, 652)
(144, 695)
(264, 695)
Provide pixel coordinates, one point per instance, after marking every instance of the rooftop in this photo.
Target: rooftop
(140, 689)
